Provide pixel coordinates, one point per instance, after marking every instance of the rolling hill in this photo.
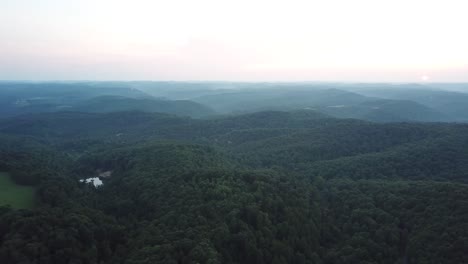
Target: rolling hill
(107, 104)
(263, 187)
(24, 98)
(452, 104)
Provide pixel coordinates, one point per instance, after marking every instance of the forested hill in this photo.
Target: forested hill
(266, 187)
(29, 98)
(108, 104)
(372, 102)
(332, 101)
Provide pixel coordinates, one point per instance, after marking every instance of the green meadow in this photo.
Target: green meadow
(17, 196)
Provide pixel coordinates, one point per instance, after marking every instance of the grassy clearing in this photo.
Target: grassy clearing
(17, 196)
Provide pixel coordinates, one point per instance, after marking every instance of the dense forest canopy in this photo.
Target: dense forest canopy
(233, 173)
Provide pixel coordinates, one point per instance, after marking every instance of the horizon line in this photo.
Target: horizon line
(230, 81)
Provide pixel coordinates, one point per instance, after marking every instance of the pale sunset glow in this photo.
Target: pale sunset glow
(251, 40)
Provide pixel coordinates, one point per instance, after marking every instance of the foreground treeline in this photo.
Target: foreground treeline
(268, 187)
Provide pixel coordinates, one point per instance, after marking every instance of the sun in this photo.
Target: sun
(425, 78)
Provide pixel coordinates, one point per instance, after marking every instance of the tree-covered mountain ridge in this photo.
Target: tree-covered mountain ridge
(377, 103)
(265, 187)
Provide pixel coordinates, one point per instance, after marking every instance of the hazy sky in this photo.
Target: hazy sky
(339, 40)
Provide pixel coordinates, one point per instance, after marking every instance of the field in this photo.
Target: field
(16, 196)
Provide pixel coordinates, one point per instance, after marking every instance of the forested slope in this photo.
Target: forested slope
(267, 187)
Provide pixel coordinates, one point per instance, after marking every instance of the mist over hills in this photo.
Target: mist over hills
(450, 103)
(373, 102)
(112, 103)
(27, 98)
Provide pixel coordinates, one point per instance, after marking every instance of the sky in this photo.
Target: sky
(235, 40)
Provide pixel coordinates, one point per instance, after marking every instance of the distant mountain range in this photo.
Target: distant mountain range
(372, 102)
(452, 104)
(25, 98)
(334, 102)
